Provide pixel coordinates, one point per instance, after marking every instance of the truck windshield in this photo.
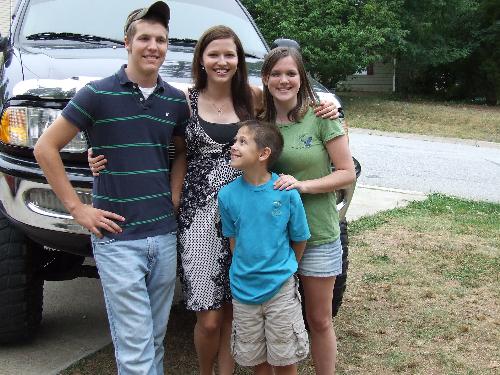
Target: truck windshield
(105, 20)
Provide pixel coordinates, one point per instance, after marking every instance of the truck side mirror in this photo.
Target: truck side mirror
(284, 42)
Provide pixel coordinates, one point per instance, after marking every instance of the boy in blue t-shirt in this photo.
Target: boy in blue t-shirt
(267, 231)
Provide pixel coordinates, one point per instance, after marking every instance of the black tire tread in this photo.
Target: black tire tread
(21, 287)
(341, 280)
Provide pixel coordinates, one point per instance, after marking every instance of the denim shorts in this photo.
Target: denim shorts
(322, 260)
(273, 331)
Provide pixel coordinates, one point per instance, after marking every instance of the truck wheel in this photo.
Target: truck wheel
(341, 280)
(21, 287)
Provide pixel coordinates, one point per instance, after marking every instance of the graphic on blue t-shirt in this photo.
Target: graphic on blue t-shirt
(276, 208)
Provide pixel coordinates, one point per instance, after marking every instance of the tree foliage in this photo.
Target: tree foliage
(439, 33)
(337, 37)
(443, 47)
(457, 55)
(487, 53)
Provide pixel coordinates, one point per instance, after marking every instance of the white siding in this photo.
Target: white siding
(380, 81)
(5, 8)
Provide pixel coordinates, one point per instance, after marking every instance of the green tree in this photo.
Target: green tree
(447, 48)
(337, 37)
(487, 54)
(439, 32)
(452, 49)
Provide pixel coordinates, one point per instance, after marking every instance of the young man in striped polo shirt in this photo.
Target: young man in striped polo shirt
(131, 118)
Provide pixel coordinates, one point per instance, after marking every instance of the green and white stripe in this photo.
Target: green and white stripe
(148, 221)
(131, 199)
(137, 117)
(127, 145)
(128, 173)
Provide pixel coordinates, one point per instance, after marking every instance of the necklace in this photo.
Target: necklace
(218, 109)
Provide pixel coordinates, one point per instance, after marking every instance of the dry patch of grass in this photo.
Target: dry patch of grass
(423, 297)
(386, 113)
(424, 291)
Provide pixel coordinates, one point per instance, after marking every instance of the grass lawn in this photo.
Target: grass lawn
(423, 297)
(385, 112)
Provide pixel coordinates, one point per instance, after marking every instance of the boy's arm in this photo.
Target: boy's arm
(53, 139)
(232, 244)
(228, 229)
(298, 248)
(297, 226)
(178, 170)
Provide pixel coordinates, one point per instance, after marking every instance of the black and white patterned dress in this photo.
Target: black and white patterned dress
(204, 255)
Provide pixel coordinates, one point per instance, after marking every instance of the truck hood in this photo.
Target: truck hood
(57, 73)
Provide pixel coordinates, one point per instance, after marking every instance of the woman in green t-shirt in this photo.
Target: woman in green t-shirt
(311, 145)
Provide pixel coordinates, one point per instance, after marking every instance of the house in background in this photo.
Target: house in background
(377, 77)
(6, 7)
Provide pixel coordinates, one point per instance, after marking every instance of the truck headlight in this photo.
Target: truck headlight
(22, 126)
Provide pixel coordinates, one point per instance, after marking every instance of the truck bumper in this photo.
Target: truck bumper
(29, 203)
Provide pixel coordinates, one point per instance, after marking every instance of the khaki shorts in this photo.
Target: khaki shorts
(273, 331)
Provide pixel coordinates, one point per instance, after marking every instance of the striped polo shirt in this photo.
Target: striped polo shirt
(134, 135)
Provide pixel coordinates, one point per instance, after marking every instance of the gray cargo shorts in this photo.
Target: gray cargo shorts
(273, 331)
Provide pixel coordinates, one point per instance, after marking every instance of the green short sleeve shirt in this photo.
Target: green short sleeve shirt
(305, 157)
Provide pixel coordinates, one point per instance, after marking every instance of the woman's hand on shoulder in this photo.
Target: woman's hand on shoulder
(326, 110)
(97, 163)
(288, 182)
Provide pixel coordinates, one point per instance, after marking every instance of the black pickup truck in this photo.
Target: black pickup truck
(53, 49)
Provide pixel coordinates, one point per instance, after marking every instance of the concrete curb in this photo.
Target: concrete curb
(369, 200)
(393, 190)
(428, 138)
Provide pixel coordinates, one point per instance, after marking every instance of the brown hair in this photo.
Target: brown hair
(241, 92)
(305, 96)
(266, 134)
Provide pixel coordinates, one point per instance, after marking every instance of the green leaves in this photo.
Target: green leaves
(443, 47)
(337, 37)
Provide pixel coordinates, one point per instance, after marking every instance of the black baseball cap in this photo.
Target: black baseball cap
(159, 9)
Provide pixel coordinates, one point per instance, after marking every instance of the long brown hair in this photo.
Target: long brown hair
(305, 96)
(241, 93)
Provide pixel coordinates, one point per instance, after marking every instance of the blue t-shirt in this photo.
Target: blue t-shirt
(134, 134)
(263, 221)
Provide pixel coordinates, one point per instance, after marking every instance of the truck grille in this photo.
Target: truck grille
(46, 200)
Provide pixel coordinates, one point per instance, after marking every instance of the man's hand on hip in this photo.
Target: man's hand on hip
(95, 219)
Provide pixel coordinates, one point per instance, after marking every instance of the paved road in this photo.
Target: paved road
(465, 169)
(74, 325)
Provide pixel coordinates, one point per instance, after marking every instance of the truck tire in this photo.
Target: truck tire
(341, 280)
(21, 286)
